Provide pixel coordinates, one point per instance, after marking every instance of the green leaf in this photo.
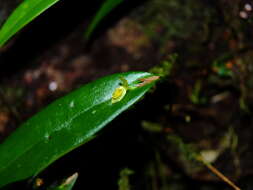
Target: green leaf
(66, 184)
(64, 125)
(22, 15)
(105, 9)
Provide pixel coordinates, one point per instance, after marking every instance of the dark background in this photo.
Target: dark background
(210, 82)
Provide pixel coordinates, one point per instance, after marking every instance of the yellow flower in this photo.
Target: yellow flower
(118, 94)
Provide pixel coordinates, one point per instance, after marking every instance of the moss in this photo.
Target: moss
(123, 182)
(175, 19)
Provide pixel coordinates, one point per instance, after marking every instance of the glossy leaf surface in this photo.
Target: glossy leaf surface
(64, 125)
(22, 15)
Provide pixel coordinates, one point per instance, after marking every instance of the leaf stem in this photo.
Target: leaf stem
(218, 173)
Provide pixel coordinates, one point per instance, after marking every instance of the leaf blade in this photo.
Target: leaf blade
(106, 7)
(60, 128)
(22, 15)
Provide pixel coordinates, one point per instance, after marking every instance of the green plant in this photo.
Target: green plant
(102, 12)
(66, 124)
(30, 9)
(123, 182)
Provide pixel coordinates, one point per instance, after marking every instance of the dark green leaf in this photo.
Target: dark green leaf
(107, 6)
(64, 125)
(22, 15)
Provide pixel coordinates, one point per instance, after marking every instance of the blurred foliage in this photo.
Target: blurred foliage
(195, 96)
(186, 150)
(164, 69)
(175, 19)
(106, 8)
(123, 182)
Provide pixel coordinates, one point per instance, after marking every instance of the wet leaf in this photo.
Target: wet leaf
(64, 125)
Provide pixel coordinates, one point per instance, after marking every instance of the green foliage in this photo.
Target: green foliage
(195, 96)
(164, 69)
(174, 20)
(22, 15)
(187, 150)
(123, 182)
(107, 6)
(64, 125)
(30, 9)
(152, 127)
(222, 69)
